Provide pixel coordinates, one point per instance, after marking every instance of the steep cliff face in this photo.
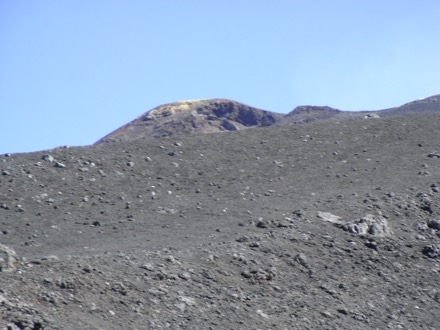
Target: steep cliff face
(195, 116)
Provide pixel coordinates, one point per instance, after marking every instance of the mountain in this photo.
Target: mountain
(426, 106)
(189, 117)
(309, 114)
(220, 115)
(330, 224)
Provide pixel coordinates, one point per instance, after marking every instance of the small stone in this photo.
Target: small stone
(254, 245)
(242, 239)
(8, 259)
(185, 276)
(87, 269)
(148, 267)
(261, 224)
(302, 260)
(434, 224)
(371, 245)
(246, 274)
(431, 251)
(327, 314)
(48, 158)
(343, 311)
(262, 314)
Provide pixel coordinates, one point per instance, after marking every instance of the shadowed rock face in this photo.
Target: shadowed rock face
(195, 116)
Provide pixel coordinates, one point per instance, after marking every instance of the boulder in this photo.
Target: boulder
(369, 225)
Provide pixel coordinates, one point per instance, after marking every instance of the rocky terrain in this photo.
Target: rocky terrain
(333, 224)
(220, 115)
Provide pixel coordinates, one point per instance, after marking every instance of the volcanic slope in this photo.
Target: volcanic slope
(329, 225)
(221, 115)
(191, 117)
(307, 114)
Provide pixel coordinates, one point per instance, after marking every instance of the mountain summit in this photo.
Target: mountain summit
(193, 116)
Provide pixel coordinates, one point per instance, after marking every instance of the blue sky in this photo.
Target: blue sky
(73, 71)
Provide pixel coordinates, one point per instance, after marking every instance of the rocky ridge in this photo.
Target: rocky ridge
(220, 115)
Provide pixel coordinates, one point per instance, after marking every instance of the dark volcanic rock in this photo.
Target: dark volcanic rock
(195, 116)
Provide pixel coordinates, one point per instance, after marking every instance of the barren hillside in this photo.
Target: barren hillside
(329, 225)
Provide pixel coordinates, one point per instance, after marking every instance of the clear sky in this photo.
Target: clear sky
(72, 71)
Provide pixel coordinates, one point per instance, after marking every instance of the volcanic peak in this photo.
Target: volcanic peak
(193, 116)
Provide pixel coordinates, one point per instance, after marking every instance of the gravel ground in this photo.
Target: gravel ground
(330, 225)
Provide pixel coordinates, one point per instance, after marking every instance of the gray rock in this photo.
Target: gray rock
(302, 260)
(8, 259)
(369, 225)
(48, 158)
(59, 165)
(432, 250)
(328, 217)
(434, 224)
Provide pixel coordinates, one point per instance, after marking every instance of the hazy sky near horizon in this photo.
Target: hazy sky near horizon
(73, 71)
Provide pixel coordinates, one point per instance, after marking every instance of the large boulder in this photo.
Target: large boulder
(369, 225)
